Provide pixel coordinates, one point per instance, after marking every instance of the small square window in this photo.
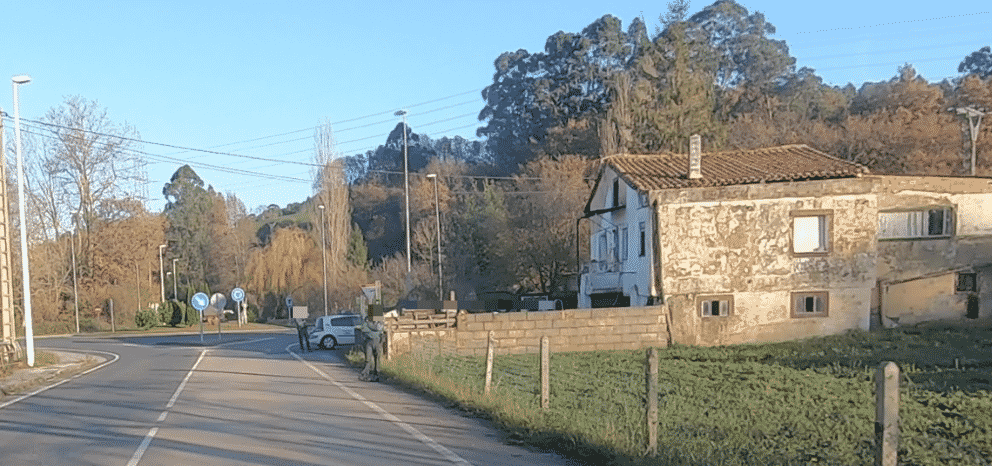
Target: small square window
(811, 232)
(810, 304)
(967, 282)
(715, 306)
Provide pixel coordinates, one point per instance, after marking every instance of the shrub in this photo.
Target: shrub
(146, 318)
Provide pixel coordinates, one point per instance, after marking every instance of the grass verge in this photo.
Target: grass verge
(801, 402)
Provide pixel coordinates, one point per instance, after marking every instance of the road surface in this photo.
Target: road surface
(243, 399)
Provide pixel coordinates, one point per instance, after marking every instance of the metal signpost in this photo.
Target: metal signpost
(218, 301)
(200, 301)
(238, 295)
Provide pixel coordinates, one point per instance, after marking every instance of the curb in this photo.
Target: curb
(70, 364)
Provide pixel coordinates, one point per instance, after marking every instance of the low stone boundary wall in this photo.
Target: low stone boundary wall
(521, 332)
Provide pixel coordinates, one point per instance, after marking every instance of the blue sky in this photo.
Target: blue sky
(221, 75)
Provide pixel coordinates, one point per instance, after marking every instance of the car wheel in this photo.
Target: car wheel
(328, 342)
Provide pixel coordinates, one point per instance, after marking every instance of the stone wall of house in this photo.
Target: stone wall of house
(521, 332)
(919, 276)
(737, 241)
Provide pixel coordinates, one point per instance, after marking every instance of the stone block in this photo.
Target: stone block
(546, 323)
(483, 317)
(581, 314)
(540, 315)
(605, 313)
(522, 324)
(564, 323)
(472, 326)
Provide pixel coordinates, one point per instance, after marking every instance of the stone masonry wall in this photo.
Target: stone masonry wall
(521, 332)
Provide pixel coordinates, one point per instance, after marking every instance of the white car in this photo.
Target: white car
(330, 331)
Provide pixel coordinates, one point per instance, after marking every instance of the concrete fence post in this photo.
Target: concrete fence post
(490, 348)
(545, 372)
(651, 376)
(886, 414)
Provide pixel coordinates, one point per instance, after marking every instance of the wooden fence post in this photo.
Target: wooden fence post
(490, 347)
(545, 369)
(651, 377)
(886, 414)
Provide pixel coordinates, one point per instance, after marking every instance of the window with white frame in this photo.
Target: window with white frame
(624, 239)
(643, 239)
(810, 304)
(616, 245)
(811, 232)
(715, 305)
(602, 247)
(923, 223)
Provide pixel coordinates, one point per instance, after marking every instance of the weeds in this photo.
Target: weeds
(800, 402)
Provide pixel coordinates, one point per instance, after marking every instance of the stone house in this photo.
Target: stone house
(784, 242)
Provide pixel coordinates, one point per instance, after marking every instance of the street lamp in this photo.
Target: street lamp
(75, 289)
(323, 254)
(161, 271)
(175, 290)
(406, 190)
(25, 273)
(437, 216)
(974, 122)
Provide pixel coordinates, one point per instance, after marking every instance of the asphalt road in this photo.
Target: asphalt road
(246, 399)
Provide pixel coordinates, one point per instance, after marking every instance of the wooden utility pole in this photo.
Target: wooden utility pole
(10, 349)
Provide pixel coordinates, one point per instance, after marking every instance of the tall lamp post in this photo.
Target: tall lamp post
(161, 271)
(437, 216)
(25, 273)
(175, 289)
(974, 123)
(323, 254)
(406, 190)
(75, 290)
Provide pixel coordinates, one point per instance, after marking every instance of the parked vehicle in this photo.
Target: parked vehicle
(331, 331)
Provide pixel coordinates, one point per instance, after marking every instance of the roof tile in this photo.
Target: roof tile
(783, 163)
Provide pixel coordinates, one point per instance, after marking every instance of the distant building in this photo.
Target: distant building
(784, 242)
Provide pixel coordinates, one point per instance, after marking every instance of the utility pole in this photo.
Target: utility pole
(406, 192)
(974, 123)
(10, 349)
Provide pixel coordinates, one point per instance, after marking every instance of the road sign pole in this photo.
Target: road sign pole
(201, 326)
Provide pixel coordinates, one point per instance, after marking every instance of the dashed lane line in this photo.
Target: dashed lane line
(136, 458)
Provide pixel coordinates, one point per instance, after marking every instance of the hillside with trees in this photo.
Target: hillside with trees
(508, 203)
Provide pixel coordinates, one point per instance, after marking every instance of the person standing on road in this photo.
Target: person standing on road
(373, 336)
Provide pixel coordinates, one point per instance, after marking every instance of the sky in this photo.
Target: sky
(254, 79)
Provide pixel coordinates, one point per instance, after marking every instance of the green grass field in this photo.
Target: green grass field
(803, 402)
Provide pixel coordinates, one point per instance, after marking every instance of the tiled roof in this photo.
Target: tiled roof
(784, 163)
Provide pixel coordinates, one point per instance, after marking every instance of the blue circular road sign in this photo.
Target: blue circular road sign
(200, 301)
(237, 295)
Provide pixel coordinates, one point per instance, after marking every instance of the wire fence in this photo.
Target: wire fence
(689, 411)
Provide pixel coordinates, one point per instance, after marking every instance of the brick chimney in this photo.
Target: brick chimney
(695, 157)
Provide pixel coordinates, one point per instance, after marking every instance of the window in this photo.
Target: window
(616, 192)
(923, 223)
(642, 196)
(602, 247)
(967, 282)
(810, 304)
(811, 232)
(624, 239)
(616, 245)
(715, 306)
(643, 239)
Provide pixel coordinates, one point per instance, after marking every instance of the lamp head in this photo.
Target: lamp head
(321, 207)
(21, 79)
(400, 113)
(432, 175)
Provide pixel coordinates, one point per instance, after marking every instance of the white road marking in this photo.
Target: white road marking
(243, 342)
(446, 453)
(154, 430)
(56, 384)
